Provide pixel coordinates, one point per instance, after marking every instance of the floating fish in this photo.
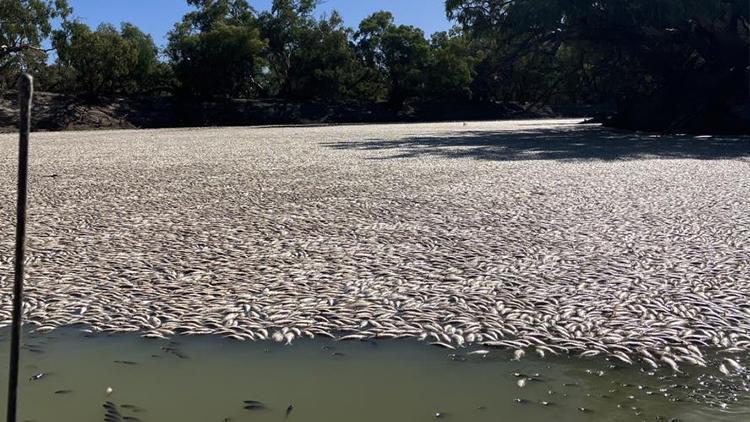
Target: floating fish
(288, 411)
(38, 376)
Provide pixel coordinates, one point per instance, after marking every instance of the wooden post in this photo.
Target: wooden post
(25, 91)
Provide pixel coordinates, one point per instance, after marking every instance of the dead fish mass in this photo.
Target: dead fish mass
(457, 238)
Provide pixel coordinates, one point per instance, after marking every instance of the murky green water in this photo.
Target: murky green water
(207, 379)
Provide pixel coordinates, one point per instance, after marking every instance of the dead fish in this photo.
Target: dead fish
(723, 369)
(253, 405)
(126, 362)
(38, 376)
(289, 410)
(131, 418)
(672, 364)
(443, 345)
(174, 351)
(63, 391)
(111, 412)
(734, 364)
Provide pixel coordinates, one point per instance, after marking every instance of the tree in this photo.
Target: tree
(672, 65)
(211, 13)
(24, 24)
(451, 71)
(399, 53)
(406, 53)
(282, 27)
(374, 84)
(520, 40)
(149, 73)
(323, 64)
(217, 50)
(105, 61)
(100, 62)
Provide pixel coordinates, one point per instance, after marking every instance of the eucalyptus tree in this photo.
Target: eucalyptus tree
(24, 24)
(398, 56)
(217, 50)
(671, 65)
(452, 67)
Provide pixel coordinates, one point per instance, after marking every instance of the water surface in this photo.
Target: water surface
(209, 378)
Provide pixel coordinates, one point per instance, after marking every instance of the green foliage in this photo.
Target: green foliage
(687, 56)
(285, 27)
(24, 24)
(399, 53)
(451, 70)
(105, 61)
(149, 73)
(322, 65)
(100, 61)
(680, 55)
(209, 13)
(374, 84)
(217, 50)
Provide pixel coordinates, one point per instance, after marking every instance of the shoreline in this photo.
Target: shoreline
(57, 112)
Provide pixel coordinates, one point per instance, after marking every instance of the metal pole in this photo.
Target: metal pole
(25, 91)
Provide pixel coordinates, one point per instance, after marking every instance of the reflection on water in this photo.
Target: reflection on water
(65, 377)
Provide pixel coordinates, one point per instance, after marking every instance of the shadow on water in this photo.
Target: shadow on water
(564, 143)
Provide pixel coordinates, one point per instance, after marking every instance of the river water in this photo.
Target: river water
(209, 379)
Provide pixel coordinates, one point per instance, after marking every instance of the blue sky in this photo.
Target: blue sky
(157, 17)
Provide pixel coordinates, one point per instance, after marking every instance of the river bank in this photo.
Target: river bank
(56, 112)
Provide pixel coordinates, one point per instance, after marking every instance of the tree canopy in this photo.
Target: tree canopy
(24, 24)
(667, 65)
(105, 61)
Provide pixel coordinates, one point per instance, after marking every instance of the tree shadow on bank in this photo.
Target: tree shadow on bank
(569, 143)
